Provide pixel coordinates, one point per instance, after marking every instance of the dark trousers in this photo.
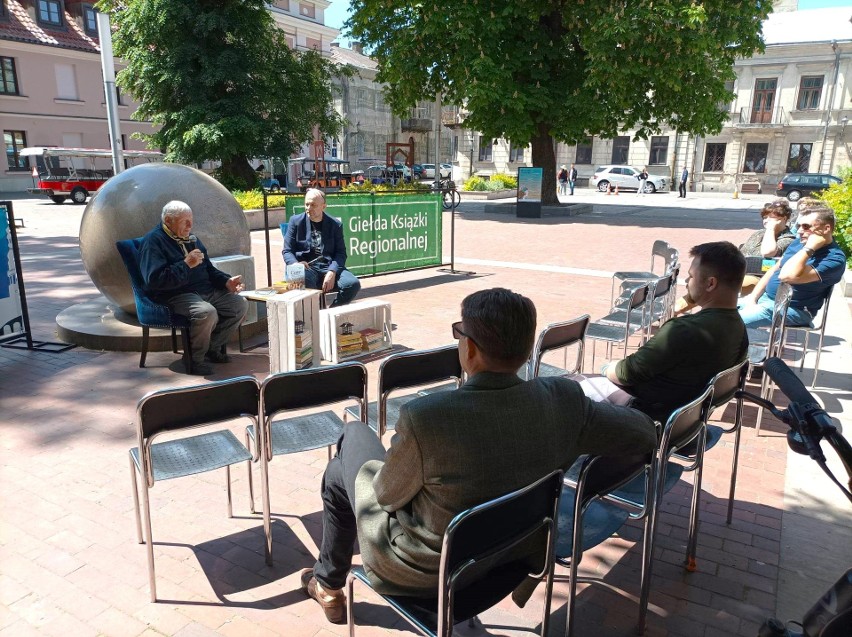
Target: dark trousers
(357, 445)
(346, 284)
(682, 189)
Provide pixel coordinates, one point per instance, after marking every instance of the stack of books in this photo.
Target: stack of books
(371, 338)
(349, 344)
(304, 349)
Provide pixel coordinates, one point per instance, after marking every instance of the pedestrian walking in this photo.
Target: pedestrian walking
(682, 188)
(572, 178)
(563, 180)
(643, 180)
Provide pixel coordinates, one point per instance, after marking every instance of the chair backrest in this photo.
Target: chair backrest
(481, 539)
(686, 423)
(186, 407)
(314, 387)
(559, 336)
(638, 296)
(601, 474)
(283, 226)
(783, 295)
(666, 252)
(726, 383)
(129, 251)
(412, 369)
(823, 312)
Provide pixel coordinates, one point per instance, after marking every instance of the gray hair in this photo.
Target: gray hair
(315, 190)
(174, 209)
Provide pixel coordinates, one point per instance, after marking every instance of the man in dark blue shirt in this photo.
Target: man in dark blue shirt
(178, 273)
(812, 264)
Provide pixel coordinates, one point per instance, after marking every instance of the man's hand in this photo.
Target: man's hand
(235, 284)
(328, 282)
(820, 237)
(194, 258)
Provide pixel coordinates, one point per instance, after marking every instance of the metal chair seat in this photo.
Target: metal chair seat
(188, 456)
(303, 433)
(601, 520)
(635, 276)
(614, 333)
(634, 491)
(393, 406)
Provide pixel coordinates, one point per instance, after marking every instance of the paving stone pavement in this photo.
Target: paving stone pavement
(70, 563)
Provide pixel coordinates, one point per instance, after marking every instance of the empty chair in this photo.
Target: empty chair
(807, 330)
(172, 410)
(407, 370)
(587, 518)
(608, 330)
(657, 308)
(480, 559)
(300, 390)
(660, 250)
(554, 337)
(148, 313)
(765, 343)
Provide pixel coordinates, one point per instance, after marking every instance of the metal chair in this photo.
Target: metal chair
(583, 527)
(481, 561)
(406, 370)
(807, 330)
(300, 390)
(151, 314)
(657, 309)
(766, 343)
(661, 249)
(608, 330)
(558, 336)
(686, 425)
(172, 410)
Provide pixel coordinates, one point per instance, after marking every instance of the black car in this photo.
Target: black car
(794, 186)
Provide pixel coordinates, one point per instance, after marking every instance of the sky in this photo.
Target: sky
(337, 13)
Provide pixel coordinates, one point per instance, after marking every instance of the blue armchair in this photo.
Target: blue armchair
(151, 314)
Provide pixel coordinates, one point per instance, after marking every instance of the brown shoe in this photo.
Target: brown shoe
(332, 601)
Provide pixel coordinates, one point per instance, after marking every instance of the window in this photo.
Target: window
(755, 158)
(8, 77)
(282, 4)
(659, 150)
(334, 146)
(50, 12)
(584, 152)
(90, 21)
(486, 149)
(799, 158)
(714, 158)
(620, 146)
(455, 150)
(291, 41)
(516, 153)
(66, 82)
(313, 43)
(307, 10)
(810, 90)
(725, 105)
(15, 141)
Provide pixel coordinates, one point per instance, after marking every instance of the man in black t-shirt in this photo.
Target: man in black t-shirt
(315, 239)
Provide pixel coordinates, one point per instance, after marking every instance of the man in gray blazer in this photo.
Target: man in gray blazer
(453, 450)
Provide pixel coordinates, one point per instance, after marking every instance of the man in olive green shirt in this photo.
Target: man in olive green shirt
(674, 366)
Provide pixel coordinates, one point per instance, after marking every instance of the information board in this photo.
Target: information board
(529, 191)
(385, 233)
(11, 309)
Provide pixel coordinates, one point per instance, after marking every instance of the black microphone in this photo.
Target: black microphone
(192, 240)
(808, 419)
(787, 381)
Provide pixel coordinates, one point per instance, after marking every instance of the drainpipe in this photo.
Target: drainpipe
(830, 101)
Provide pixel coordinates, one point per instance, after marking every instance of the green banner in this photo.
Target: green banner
(385, 233)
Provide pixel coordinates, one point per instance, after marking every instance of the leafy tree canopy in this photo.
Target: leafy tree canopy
(537, 70)
(220, 81)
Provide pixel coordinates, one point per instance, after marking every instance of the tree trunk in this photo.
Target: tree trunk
(544, 157)
(238, 169)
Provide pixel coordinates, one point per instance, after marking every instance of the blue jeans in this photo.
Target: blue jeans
(571, 185)
(346, 284)
(760, 314)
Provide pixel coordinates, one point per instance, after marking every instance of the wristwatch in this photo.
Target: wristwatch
(810, 251)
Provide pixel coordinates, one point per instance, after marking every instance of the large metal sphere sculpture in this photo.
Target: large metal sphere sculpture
(129, 205)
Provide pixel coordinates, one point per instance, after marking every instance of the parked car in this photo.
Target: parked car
(794, 186)
(429, 171)
(626, 178)
(417, 169)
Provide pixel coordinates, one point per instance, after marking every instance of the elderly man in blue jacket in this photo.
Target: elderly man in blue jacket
(315, 239)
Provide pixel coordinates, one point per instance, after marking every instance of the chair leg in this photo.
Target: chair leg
(804, 351)
(764, 393)
(738, 423)
(228, 489)
(655, 493)
(144, 353)
(187, 349)
(692, 542)
(136, 500)
(147, 511)
(548, 595)
(576, 556)
(260, 441)
(250, 478)
(350, 604)
(174, 340)
(818, 352)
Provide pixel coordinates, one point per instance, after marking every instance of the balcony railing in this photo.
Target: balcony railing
(747, 118)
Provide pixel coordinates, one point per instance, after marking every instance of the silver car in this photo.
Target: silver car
(626, 178)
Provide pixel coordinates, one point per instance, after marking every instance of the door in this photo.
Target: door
(764, 100)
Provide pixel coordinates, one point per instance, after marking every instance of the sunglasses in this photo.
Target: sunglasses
(458, 333)
(805, 226)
